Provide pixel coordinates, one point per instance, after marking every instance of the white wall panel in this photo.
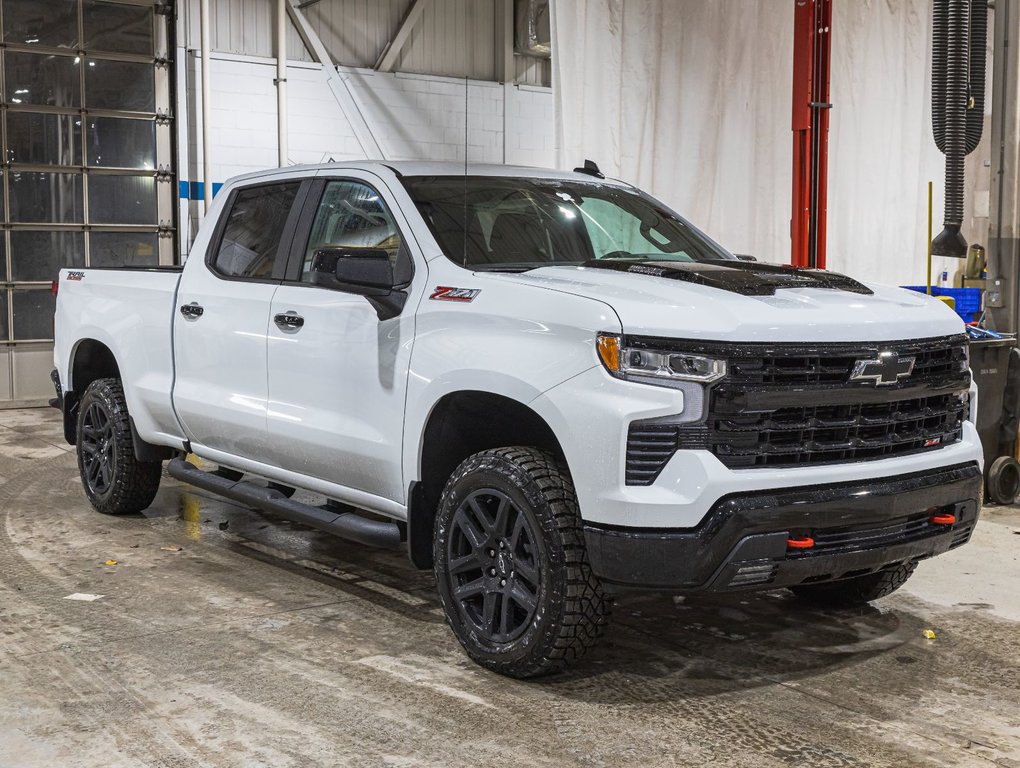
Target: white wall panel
(413, 117)
(452, 37)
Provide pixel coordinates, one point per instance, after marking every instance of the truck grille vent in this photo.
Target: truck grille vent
(782, 407)
(839, 433)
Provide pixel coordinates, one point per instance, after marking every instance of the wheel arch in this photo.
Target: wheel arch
(90, 359)
(460, 424)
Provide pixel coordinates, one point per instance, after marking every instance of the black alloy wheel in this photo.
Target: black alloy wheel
(98, 458)
(493, 561)
(115, 481)
(511, 564)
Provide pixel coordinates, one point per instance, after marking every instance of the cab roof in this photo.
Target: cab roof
(430, 168)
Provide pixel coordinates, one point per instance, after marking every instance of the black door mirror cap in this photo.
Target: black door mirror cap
(363, 271)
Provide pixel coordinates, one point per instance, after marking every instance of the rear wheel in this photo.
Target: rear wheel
(115, 482)
(511, 564)
(848, 593)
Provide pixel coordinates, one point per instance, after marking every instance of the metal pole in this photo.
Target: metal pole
(929, 236)
(1003, 298)
(281, 79)
(207, 187)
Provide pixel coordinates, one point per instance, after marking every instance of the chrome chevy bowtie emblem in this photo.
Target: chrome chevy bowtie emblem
(887, 368)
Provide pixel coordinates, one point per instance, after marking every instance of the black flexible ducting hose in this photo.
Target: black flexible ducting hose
(959, 34)
(978, 61)
(939, 38)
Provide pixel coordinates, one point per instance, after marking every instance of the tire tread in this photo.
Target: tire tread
(135, 482)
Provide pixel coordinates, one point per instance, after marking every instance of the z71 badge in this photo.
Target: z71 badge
(445, 293)
(75, 275)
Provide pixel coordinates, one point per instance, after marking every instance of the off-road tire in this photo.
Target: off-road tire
(570, 611)
(856, 591)
(129, 485)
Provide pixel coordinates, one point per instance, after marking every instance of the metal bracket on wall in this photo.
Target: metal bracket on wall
(337, 84)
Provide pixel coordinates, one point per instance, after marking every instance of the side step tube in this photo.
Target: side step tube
(346, 525)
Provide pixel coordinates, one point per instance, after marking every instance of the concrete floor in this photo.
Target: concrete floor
(260, 643)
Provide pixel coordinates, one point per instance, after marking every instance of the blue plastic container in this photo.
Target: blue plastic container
(968, 300)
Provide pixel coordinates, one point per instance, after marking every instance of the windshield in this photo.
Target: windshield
(508, 224)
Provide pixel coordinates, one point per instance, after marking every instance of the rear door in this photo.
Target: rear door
(337, 373)
(221, 320)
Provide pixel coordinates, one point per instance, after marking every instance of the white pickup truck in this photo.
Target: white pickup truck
(548, 386)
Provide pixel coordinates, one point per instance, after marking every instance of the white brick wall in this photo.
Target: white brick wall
(413, 117)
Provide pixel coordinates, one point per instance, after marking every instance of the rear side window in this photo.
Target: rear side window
(253, 230)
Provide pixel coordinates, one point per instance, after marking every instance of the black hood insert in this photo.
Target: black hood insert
(745, 278)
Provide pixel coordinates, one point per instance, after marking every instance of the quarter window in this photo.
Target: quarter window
(254, 228)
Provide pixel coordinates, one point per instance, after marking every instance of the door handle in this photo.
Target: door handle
(192, 311)
(289, 321)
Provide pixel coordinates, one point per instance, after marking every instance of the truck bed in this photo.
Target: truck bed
(130, 310)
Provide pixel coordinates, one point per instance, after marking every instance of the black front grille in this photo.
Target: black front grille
(781, 407)
(831, 434)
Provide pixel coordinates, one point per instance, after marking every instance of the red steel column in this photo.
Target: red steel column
(810, 123)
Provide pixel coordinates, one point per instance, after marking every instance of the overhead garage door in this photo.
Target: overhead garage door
(88, 177)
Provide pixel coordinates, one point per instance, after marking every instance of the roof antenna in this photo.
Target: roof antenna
(590, 168)
(465, 168)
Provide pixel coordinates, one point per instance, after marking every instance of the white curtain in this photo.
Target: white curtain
(691, 100)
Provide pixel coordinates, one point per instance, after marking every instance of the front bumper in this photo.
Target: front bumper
(858, 527)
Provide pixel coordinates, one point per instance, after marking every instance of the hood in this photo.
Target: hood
(748, 302)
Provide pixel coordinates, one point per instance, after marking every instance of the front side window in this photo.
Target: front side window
(497, 223)
(351, 215)
(254, 228)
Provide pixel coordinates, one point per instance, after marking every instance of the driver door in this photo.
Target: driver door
(337, 373)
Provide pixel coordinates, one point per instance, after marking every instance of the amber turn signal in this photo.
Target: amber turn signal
(609, 351)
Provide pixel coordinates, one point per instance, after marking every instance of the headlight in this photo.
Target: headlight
(644, 364)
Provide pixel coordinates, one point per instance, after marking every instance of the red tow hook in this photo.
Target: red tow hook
(800, 542)
(942, 519)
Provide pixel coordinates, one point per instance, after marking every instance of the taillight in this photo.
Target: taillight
(54, 286)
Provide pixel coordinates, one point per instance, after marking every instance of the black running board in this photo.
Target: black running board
(347, 525)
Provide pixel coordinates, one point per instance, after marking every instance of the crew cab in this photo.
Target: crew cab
(547, 386)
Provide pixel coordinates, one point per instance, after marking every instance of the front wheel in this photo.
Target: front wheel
(858, 590)
(511, 564)
(115, 482)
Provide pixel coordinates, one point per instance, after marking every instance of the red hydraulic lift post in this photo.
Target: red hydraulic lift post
(811, 57)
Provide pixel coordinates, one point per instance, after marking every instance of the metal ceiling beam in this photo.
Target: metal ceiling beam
(504, 42)
(337, 83)
(388, 58)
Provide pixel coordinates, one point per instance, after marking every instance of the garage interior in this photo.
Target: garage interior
(202, 632)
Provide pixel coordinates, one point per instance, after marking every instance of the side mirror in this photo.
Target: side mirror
(363, 271)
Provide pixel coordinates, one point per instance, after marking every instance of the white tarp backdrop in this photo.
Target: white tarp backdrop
(691, 99)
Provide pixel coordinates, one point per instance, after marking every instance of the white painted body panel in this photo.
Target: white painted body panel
(653, 306)
(131, 312)
(341, 406)
(692, 481)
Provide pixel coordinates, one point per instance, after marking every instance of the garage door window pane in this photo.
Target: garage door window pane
(43, 139)
(41, 79)
(40, 255)
(119, 28)
(122, 200)
(46, 197)
(119, 143)
(33, 314)
(120, 85)
(124, 249)
(46, 22)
